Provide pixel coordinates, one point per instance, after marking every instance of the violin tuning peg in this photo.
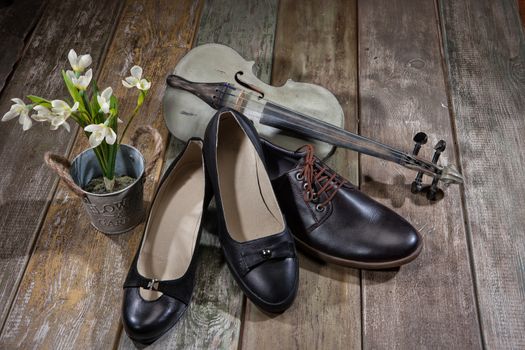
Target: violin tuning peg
(440, 146)
(433, 189)
(417, 185)
(420, 139)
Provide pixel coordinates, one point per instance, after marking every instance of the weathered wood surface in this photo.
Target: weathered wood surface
(17, 19)
(485, 54)
(71, 292)
(26, 188)
(429, 303)
(316, 43)
(246, 26)
(521, 5)
(213, 320)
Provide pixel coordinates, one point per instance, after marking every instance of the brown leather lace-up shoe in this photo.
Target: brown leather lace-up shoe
(331, 219)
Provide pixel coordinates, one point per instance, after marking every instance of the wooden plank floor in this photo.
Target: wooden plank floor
(397, 303)
(454, 69)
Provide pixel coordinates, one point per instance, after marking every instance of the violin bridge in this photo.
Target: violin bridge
(240, 102)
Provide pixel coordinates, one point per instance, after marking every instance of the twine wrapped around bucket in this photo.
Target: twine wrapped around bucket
(61, 165)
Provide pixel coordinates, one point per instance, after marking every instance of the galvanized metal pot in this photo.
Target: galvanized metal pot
(116, 212)
(119, 211)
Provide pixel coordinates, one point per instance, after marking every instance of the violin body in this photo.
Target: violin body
(187, 115)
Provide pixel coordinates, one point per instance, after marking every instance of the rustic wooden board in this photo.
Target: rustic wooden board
(17, 20)
(429, 303)
(26, 188)
(316, 43)
(246, 26)
(71, 292)
(213, 320)
(485, 54)
(521, 5)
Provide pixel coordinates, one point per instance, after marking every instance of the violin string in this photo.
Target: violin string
(401, 156)
(398, 156)
(284, 109)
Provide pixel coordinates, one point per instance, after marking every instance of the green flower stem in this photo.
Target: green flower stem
(86, 104)
(140, 100)
(113, 149)
(101, 160)
(135, 111)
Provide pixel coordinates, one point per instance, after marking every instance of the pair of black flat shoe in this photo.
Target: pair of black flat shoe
(252, 180)
(256, 242)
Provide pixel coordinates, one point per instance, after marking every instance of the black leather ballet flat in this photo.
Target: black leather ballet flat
(331, 219)
(160, 281)
(255, 239)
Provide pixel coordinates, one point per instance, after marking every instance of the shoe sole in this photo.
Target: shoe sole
(359, 264)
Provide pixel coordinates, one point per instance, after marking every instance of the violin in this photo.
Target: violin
(213, 76)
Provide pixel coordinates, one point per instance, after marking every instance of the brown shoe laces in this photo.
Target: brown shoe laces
(313, 172)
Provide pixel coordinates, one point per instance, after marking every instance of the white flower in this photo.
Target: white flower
(78, 63)
(82, 81)
(56, 120)
(104, 99)
(135, 80)
(59, 120)
(19, 109)
(98, 133)
(62, 108)
(43, 114)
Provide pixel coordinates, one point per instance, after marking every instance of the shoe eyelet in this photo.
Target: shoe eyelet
(305, 186)
(315, 198)
(320, 208)
(299, 177)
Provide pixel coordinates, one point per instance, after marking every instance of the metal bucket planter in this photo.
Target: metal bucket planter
(116, 212)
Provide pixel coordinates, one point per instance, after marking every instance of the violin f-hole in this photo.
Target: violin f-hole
(248, 86)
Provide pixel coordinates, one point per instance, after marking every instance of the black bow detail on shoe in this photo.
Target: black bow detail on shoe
(254, 255)
(179, 289)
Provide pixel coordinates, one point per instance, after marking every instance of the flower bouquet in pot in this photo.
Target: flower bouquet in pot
(109, 175)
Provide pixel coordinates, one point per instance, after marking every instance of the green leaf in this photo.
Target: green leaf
(73, 90)
(95, 107)
(113, 103)
(86, 104)
(40, 101)
(95, 87)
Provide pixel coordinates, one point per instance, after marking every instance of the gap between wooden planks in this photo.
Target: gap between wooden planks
(71, 290)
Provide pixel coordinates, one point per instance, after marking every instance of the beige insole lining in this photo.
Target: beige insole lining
(174, 222)
(250, 207)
